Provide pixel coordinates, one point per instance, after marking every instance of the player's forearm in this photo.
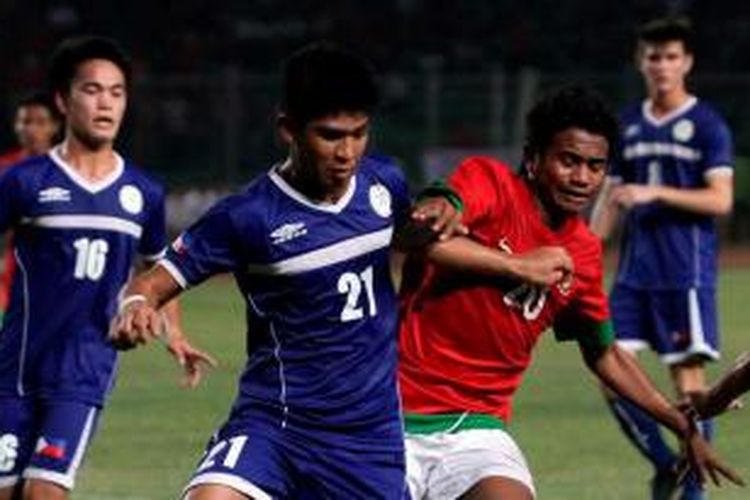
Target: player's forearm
(705, 201)
(464, 255)
(157, 287)
(605, 213)
(731, 385)
(622, 373)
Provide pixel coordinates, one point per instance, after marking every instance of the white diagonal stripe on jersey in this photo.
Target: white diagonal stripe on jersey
(641, 149)
(102, 222)
(326, 256)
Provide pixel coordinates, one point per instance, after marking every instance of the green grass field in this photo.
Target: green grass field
(152, 432)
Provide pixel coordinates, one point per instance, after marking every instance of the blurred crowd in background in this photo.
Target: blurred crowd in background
(455, 76)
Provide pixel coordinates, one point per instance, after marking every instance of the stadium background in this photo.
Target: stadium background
(456, 77)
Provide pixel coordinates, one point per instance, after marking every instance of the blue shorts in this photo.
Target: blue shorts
(263, 460)
(43, 439)
(679, 325)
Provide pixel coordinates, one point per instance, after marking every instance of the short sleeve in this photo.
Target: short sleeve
(476, 180)
(391, 175)
(154, 237)
(206, 248)
(717, 148)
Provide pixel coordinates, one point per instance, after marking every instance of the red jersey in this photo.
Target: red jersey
(466, 340)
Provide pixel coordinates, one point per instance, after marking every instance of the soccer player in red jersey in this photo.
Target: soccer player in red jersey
(474, 308)
(36, 124)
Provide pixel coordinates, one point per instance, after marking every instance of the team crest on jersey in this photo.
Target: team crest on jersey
(632, 130)
(683, 130)
(131, 199)
(54, 193)
(380, 200)
(288, 232)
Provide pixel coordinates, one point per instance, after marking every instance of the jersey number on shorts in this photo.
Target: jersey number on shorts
(91, 258)
(230, 459)
(8, 452)
(351, 284)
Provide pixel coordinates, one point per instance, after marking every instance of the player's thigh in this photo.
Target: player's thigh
(64, 435)
(686, 322)
(498, 488)
(18, 430)
(249, 459)
(356, 469)
(469, 457)
(688, 377)
(37, 489)
(215, 492)
(631, 318)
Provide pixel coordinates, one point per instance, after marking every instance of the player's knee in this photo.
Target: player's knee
(37, 489)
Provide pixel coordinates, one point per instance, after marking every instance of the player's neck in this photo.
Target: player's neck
(310, 186)
(661, 104)
(91, 164)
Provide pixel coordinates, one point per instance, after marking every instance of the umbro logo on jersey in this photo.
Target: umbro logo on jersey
(288, 232)
(54, 193)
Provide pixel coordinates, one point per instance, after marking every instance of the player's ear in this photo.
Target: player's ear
(688, 62)
(286, 128)
(60, 103)
(529, 162)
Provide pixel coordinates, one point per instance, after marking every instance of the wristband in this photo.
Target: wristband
(130, 299)
(440, 189)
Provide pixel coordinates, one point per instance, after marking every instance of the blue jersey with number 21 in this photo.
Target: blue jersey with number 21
(321, 309)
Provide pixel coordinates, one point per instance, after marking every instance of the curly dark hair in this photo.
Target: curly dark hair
(572, 106)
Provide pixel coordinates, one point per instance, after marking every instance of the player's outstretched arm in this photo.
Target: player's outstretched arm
(542, 266)
(606, 212)
(192, 361)
(622, 373)
(725, 392)
(138, 320)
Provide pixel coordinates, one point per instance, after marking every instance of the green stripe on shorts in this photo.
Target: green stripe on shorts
(416, 423)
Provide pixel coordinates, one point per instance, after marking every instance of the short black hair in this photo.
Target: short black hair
(39, 98)
(322, 78)
(668, 29)
(72, 52)
(571, 106)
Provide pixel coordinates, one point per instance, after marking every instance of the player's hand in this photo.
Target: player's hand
(630, 195)
(702, 406)
(544, 266)
(442, 217)
(705, 463)
(136, 323)
(193, 361)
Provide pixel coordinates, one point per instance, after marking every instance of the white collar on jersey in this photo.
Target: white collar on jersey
(648, 106)
(90, 186)
(288, 190)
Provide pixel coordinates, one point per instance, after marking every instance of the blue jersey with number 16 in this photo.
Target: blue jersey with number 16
(321, 309)
(76, 242)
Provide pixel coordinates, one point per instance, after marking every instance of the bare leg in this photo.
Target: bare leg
(38, 489)
(498, 488)
(214, 492)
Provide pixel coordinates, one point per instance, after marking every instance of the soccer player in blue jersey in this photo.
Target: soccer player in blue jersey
(80, 214)
(317, 414)
(673, 178)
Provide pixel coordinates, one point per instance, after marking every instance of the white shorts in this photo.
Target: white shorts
(445, 465)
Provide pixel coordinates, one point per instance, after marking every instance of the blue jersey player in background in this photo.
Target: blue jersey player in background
(317, 414)
(673, 178)
(81, 214)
